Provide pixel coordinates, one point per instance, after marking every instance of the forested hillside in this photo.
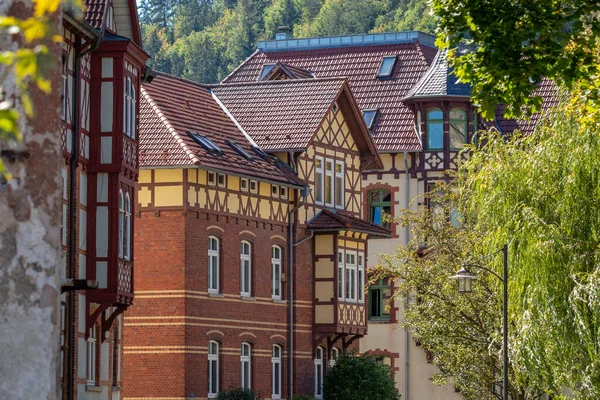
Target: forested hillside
(203, 40)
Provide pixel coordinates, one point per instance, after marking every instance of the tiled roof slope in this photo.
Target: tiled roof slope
(281, 114)
(94, 13)
(289, 71)
(393, 130)
(439, 81)
(548, 91)
(334, 220)
(170, 107)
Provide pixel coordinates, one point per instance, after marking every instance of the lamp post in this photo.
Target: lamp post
(465, 280)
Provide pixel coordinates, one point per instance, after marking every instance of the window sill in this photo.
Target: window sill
(249, 298)
(93, 388)
(279, 301)
(215, 295)
(379, 321)
(116, 388)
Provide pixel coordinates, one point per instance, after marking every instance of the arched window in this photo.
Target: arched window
(245, 268)
(458, 128)
(213, 369)
(276, 373)
(276, 257)
(435, 129)
(92, 347)
(246, 365)
(121, 222)
(319, 373)
(335, 354)
(213, 264)
(127, 230)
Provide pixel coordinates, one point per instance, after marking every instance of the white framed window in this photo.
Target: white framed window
(339, 184)
(127, 229)
(319, 161)
(283, 192)
(244, 184)
(361, 277)
(329, 182)
(335, 354)
(276, 373)
(246, 366)
(92, 346)
(276, 266)
(213, 369)
(245, 268)
(212, 178)
(319, 373)
(351, 276)
(253, 186)
(221, 180)
(132, 104)
(340, 275)
(129, 107)
(121, 222)
(275, 190)
(213, 264)
(64, 91)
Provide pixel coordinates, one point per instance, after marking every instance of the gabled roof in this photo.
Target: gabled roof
(438, 81)
(359, 61)
(171, 107)
(286, 114)
(328, 220)
(287, 71)
(96, 14)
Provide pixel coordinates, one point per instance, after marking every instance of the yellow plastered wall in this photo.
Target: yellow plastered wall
(324, 314)
(168, 196)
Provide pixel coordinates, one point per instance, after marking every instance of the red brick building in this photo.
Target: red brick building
(249, 242)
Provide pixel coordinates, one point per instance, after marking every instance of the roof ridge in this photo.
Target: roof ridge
(169, 127)
(166, 74)
(280, 82)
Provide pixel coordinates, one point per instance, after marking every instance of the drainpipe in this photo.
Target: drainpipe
(304, 193)
(70, 328)
(406, 233)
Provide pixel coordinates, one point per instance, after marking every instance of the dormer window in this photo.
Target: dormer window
(369, 116)
(265, 71)
(458, 128)
(435, 129)
(387, 67)
(204, 142)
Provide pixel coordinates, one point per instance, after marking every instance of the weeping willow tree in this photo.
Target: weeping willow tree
(541, 195)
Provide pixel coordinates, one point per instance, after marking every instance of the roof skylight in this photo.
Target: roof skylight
(239, 150)
(369, 116)
(386, 67)
(265, 71)
(204, 142)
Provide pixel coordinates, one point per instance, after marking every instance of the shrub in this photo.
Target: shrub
(362, 377)
(303, 397)
(237, 394)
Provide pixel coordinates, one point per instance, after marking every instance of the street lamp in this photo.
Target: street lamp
(465, 280)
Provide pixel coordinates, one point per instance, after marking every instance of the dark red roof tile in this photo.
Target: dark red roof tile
(94, 13)
(335, 220)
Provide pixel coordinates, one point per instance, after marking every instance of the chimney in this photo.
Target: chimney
(283, 33)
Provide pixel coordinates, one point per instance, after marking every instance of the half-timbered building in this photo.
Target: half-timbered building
(103, 68)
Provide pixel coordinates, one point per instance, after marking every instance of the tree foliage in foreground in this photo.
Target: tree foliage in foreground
(517, 43)
(359, 377)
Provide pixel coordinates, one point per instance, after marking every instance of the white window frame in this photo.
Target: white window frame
(360, 285)
(331, 174)
(214, 254)
(351, 272)
(244, 185)
(64, 91)
(283, 192)
(276, 374)
(121, 222)
(276, 264)
(212, 357)
(92, 348)
(339, 176)
(246, 359)
(127, 229)
(275, 191)
(341, 274)
(243, 259)
(320, 180)
(212, 178)
(132, 114)
(222, 177)
(319, 373)
(255, 184)
(333, 360)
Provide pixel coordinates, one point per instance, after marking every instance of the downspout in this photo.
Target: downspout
(406, 233)
(70, 334)
(290, 279)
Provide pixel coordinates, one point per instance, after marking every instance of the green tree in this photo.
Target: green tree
(279, 13)
(359, 377)
(515, 44)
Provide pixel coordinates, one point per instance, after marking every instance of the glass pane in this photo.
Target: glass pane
(435, 135)
(386, 295)
(329, 165)
(319, 186)
(213, 380)
(368, 117)
(376, 196)
(276, 385)
(328, 187)
(360, 286)
(457, 113)
(386, 66)
(338, 191)
(246, 376)
(376, 213)
(348, 283)
(340, 282)
(435, 114)
(277, 281)
(387, 196)
(246, 276)
(375, 301)
(458, 133)
(338, 168)
(319, 380)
